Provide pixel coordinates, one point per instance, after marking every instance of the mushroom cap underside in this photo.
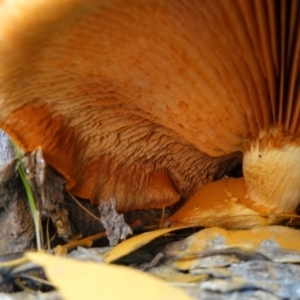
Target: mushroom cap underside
(146, 100)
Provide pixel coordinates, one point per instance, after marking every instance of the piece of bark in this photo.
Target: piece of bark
(48, 189)
(17, 230)
(113, 222)
(6, 149)
(16, 223)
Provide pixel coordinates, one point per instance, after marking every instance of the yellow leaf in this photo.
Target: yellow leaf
(135, 243)
(249, 241)
(79, 280)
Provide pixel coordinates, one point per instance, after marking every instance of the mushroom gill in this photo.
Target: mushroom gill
(148, 101)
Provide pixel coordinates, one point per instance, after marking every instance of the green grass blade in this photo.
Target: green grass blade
(32, 203)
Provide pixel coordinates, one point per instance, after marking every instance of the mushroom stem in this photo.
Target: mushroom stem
(272, 177)
(268, 193)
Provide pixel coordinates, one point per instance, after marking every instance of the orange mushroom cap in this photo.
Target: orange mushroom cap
(148, 100)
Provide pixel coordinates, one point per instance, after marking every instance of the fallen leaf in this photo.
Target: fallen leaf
(275, 243)
(135, 243)
(79, 280)
(7, 266)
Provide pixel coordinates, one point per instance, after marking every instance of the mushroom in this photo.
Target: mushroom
(148, 101)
